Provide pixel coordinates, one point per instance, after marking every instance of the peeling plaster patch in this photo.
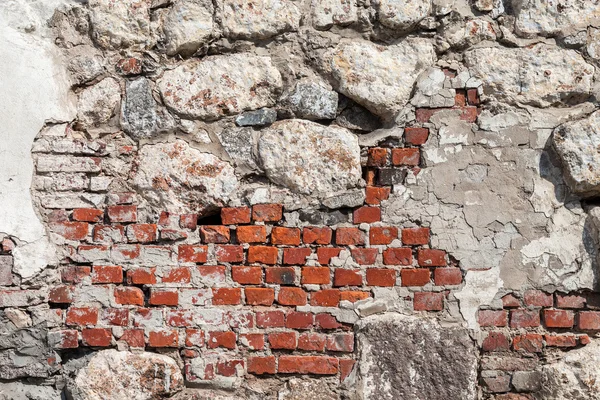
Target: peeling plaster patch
(480, 289)
(32, 258)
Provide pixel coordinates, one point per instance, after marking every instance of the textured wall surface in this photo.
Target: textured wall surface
(297, 199)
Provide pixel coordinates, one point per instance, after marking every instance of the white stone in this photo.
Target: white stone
(402, 14)
(479, 290)
(541, 76)
(326, 13)
(380, 78)
(259, 19)
(220, 85)
(188, 26)
(117, 375)
(551, 17)
(312, 100)
(31, 258)
(593, 43)
(98, 104)
(310, 158)
(430, 90)
(178, 178)
(121, 24)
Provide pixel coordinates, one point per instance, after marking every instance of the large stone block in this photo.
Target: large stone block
(259, 19)
(121, 24)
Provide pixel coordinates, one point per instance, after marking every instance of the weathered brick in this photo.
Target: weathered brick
(163, 338)
(267, 212)
(254, 341)
(229, 367)
(263, 255)
(364, 256)
(260, 296)
(343, 342)
(537, 298)
(115, 316)
(346, 367)
(129, 295)
(142, 233)
(179, 318)
(311, 341)
(215, 234)
(60, 294)
(349, 236)
(381, 277)
(530, 342)
(415, 277)
(325, 254)
(251, 234)
(353, 295)
(299, 320)
(96, 337)
(166, 297)
(325, 298)
(431, 258)
(134, 338)
(460, 99)
(235, 215)
(327, 321)
(492, 318)
(379, 235)
(194, 337)
(428, 301)
(177, 275)
(447, 276)
(61, 163)
(496, 341)
(261, 365)
(227, 296)
(416, 136)
(270, 319)
(108, 233)
(71, 273)
(63, 339)
(122, 213)
(347, 277)
(559, 318)
(141, 276)
(524, 318)
(280, 275)
(589, 320)
(188, 221)
(317, 235)
(83, 316)
(510, 301)
(88, 214)
(283, 340)
(291, 296)
(397, 256)
(560, 340)
(378, 157)
(224, 339)
(172, 234)
(473, 97)
(229, 253)
(71, 230)
(391, 176)
(409, 156)
(247, 275)
(285, 236)
(107, 274)
(296, 256)
(375, 195)
(315, 275)
(366, 214)
(318, 365)
(415, 236)
(212, 275)
(192, 253)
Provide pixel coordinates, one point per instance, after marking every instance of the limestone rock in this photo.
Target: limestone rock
(239, 145)
(188, 25)
(121, 24)
(380, 78)
(549, 18)
(258, 19)
(401, 14)
(138, 111)
(311, 100)
(326, 13)
(405, 357)
(116, 375)
(180, 179)
(593, 43)
(310, 158)
(577, 144)
(97, 104)
(541, 76)
(430, 90)
(25, 391)
(85, 65)
(298, 389)
(220, 85)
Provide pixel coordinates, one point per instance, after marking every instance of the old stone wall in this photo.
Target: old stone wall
(294, 199)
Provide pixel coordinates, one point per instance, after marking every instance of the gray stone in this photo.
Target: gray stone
(577, 144)
(262, 117)
(85, 67)
(116, 375)
(310, 158)
(188, 26)
(358, 118)
(352, 198)
(312, 100)
(121, 24)
(299, 389)
(406, 357)
(138, 110)
(526, 381)
(218, 86)
(239, 145)
(259, 19)
(97, 104)
(391, 176)
(26, 391)
(318, 217)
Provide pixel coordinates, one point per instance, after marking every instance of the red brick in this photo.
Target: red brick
(496, 341)
(229, 253)
(415, 236)
(353, 296)
(247, 275)
(142, 233)
(229, 367)
(61, 294)
(134, 338)
(251, 234)
(375, 195)
(285, 236)
(327, 321)
(382, 234)
(88, 214)
(126, 251)
(370, 174)
(460, 99)
(570, 301)
(366, 214)
(318, 365)
(493, 318)
(317, 235)
(141, 276)
(159, 297)
(589, 320)
(538, 298)
(560, 340)
(343, 342)
(428, 301)
(364, 256)
(584, 339)
(225, 339)
(129, 295)
(431, 258)
(299, 320)
(473, 97)
(346, 366)
(325, 298)
(163, 338)
(97, 337)
(75, 273)
(214, 234)
(68, 339)
(315, 275)
(122, 213)
(416, 136)
(408, 156)
(447, 276)
(267, 212)
(179, 318)
(212, 275)
(129, 66)
(254, 341)
(263, 255)
(381, 277)
(188, 221)
(71, 230)
(531, 343)
(107, 274)
(347, 277)
(177, 275)
(226, 296)
(261, 365)
(415, 277)
(192, 253)
(270, 319)
(235, 215)
(283, 340)
(559, 318)
(280, 275)
(296, 256)
(397, 256)
(524, 318)
(349, 236)
(7, 245)
(291, 296)
(310, 341)
(378, 157)
(510, 301)
(115, 316)
(82, 316)
(325, 254)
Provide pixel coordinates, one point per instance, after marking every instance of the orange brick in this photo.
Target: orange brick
(107, 274)
(285, 236)
(315, 275)
(235, 215)
(347, 277)
(122, 213)
(163, 338)
(310, 341)
(227, 296)
(415, 236)
(416, 136)
(251, 234)
(96, 337)
(260, 296)
(267, 212)
(214, 234)
(317, 235)
(377, 157)
(296, 256)
(263, 255)
(142, 233)
(177, 275)
(325, 254)
(382, 234)
(325, 298)
(353, 296)
(225, 339)
(88, 215)
(82, 316)
(261, 365)
(318, 365)
(164, 297)
(366, 214)
(381, 277)
(283, 340)
(364, 256)
(193, 253)
(188, 221)
(375, 195)
(129, 295)
(247, 275)
(229, 253)
(254, 341)
(409, 156)
(292, 296)
(141, 276)
(397, 256)
(415, 277)
(349, 236)
(431, 258)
